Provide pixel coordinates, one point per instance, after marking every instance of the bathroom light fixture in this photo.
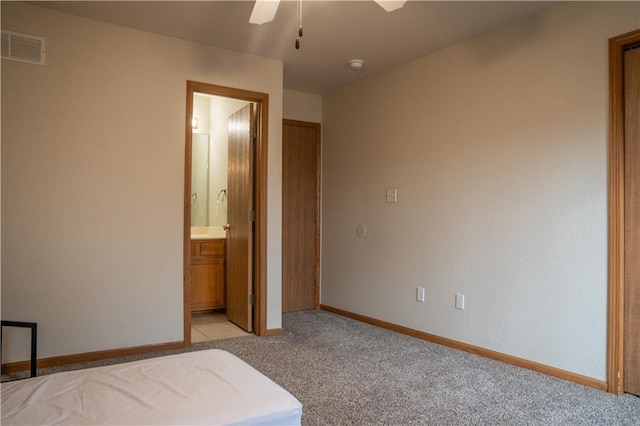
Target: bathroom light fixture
(356, 64)
(194, 123)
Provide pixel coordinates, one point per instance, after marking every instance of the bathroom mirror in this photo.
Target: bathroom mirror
(200, 180)
(209, 161)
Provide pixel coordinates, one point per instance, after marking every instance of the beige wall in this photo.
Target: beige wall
(93, 170)
(302, 106)
(498, 149)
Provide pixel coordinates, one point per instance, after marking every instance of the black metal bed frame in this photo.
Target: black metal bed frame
(34, 340)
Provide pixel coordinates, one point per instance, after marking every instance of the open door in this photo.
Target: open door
(247, 190)
(241, 216)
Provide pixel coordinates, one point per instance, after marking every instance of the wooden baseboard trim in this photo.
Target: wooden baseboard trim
(12, 367)
(273, 332)
(476, 350)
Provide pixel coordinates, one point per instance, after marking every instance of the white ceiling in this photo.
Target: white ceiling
(334, 31)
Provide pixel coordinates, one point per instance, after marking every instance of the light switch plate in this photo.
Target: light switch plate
(392, 195)
(460, 301)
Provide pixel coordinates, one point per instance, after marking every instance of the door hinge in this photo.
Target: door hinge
(252, 215)
(254, 132)
(252, 299)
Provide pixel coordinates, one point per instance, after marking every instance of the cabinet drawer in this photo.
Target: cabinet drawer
(208, 248)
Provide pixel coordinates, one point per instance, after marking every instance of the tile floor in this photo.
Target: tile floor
(213, 325)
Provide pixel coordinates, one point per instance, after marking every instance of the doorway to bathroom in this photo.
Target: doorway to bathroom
(224, 211)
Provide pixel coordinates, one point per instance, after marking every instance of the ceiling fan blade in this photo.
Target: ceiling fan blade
(391, 5)
(264, 11)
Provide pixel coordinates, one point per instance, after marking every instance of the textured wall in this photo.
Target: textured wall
(302, 106)
(92, 180)
(498, 149)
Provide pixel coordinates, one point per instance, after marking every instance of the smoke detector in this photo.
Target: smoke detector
(356, 64)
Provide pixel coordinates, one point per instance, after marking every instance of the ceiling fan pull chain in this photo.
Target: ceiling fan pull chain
(299, 24)
(300, 18)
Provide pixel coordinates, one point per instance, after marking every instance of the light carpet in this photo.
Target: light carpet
(345, 372)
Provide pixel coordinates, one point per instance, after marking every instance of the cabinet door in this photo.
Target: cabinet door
(207, 285)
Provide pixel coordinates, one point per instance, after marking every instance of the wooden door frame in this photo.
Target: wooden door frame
(260, 193)
(615, 338)
(318, 128)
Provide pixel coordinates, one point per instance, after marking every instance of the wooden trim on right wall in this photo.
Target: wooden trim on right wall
(476, 350)
(615, 339)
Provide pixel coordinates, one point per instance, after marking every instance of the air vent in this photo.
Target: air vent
(22, 47)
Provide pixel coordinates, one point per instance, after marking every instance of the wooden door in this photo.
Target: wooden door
(300, 215)
(632, 222)
(240, 218)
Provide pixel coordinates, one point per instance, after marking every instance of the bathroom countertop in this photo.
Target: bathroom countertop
(207, 237)
(208, 233)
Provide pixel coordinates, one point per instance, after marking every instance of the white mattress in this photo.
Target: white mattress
(204, 387)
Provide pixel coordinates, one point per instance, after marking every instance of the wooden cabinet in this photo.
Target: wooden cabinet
(208, 277)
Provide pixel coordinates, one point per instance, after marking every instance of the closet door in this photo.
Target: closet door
(300, 215)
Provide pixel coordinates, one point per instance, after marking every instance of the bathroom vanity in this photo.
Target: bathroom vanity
(208, 275)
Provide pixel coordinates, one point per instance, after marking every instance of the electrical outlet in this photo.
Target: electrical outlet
(420, 294)
(460, 301)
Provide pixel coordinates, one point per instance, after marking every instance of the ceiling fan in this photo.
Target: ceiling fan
(265, 10)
